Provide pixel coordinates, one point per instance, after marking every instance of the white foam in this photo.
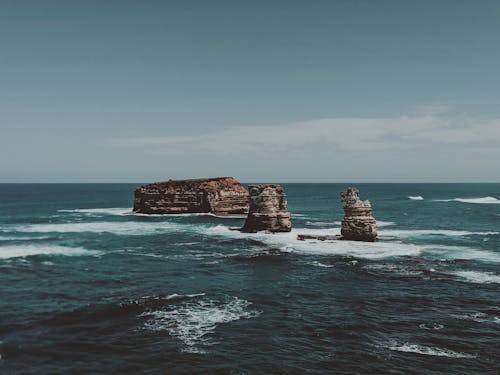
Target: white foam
(19, 251)
(394, 268)
(319, 264)
(380, 223)
(125, 227)
(288, 242)
(401, 233)
(102, 211)
(478, 317)
(428, 350)
(416, 197)
(483, 200)
(478, 277)
(462, 252)
(192, 321)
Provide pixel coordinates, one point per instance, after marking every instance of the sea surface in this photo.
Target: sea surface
(88, 287)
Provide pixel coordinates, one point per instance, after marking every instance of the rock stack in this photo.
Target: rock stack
(268, 210)
(358, 223)
(220, 196)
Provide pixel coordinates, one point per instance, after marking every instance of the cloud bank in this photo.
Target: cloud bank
(424, 143)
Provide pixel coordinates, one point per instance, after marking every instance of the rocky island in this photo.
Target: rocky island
(358, 223)
(268, 210)
(220, 196)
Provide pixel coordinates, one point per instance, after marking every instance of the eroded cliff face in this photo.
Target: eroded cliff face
(358, 223)
(268, 210)
(221, 196)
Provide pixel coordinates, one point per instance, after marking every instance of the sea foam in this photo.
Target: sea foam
(483, 200)
(478, 277)
(19, 251)
(427, 350)
(416, 197)
(194, 320)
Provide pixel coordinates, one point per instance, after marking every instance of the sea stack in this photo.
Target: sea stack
(358, 223)
(220, 196)
(268, 210)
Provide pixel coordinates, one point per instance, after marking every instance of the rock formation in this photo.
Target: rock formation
(220, 196)
(268, 210)
(358, 223)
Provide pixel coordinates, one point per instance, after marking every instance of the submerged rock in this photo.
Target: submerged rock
(268, 210)
(358, 223)
(219, 196)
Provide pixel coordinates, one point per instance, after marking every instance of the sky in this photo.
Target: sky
(265, 91)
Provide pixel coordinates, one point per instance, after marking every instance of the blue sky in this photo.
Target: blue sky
(306, 91)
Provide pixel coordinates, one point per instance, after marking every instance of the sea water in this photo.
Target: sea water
(86, 286)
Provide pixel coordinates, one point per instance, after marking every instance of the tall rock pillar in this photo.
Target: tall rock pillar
(268, 210)
(358, 223)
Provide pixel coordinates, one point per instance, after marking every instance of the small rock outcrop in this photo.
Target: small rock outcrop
(358, 223)
(220, 196)
(268, 210)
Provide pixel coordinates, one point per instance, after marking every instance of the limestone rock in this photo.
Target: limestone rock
(268, 210)
(358, 223)
(220, 196)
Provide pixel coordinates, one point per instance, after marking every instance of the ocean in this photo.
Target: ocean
(88, 287)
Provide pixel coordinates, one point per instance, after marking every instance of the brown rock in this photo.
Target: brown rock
(268, 210)
(220, 196)
(358, 223)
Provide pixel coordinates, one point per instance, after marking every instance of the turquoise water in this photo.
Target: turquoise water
(87, 287)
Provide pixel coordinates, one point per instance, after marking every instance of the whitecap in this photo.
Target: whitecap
(319, 264)
(462, 252)
(20, 251)
(427, 350)
(416, 197)
(117, 227)
(478, 317)
(103, 211)
(193, 321)
(483, 200)
(478, 277)
(288, 242)
(431, 326)
(394, 268)
(402, 233)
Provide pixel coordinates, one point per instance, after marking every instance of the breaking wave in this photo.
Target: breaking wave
(20, 251)
(101, 211)
(402, 233)
(427, 350)
(478, 277)
(483, 200)
(116, 227)
(416, 197)
(193, 321)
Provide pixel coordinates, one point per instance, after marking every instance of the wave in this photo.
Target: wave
(21, 251)
(288, 242)
(462, 253)
(427, 350)
(416, 197)
(397, 269)
(117, 227)
(483, 200)
(478, 317)
(319, 264)
(106, 211)
(478, 277)
(194, 320)
(402, 233)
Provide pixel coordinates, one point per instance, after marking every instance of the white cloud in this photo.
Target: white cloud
(340, 134)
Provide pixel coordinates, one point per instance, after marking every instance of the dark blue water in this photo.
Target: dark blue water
(86, 287)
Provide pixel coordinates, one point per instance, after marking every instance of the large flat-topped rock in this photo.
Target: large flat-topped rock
(268, 210)
(219, 196)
